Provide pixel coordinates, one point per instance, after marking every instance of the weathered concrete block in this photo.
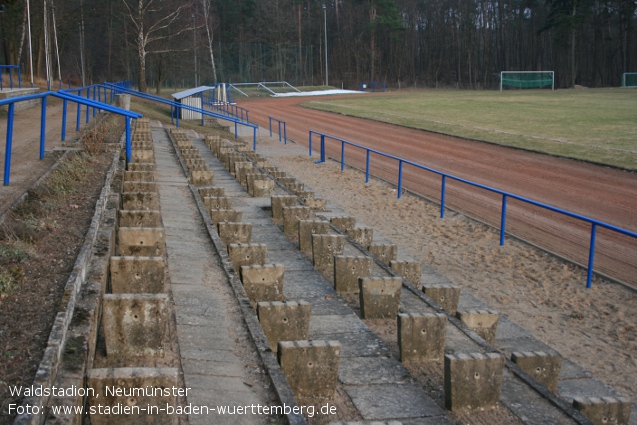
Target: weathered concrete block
(241, 254)
(379, 296)
(211, 191)
(135, 324)
(307, 228)
(262, 188)
(473, 381)
(482, 322)
(139, 176)
(263, 283)
(142, 241)
(445, 295)
(139, 187)
(384, 252)
(291, 218)
(141, 166)
(148, 201)
(121, 382)
(198, 168)
(137, 275)
(193, 162)
(305, 195)
(545, 368)
(296, 187)
(316, 204)
(270, 169)
(235, 232)
(347, 270)
(421, 337)
(278, 202)
(277, 174)
(284, 321)
(251, 178)
(139, 218)
(217, 202)
(311, 367)
(139, 155)
(364, 236)
(344, 222)
(324, 248)
(141, 145)
(410, 270)
(202, 178)
(605, 410)
(240, 168)
(263, 163)
(220, 216)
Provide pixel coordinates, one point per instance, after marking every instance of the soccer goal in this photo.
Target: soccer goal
(527, 79)
(629, 79)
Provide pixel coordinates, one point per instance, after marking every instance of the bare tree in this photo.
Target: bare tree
(205, 4)
(152, 24)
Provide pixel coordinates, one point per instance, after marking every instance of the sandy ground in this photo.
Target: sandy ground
(596, 328)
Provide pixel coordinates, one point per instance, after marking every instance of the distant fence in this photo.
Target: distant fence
(445, 176)
(10, 68)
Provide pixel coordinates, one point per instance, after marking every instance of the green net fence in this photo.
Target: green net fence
(525, 80)
(258, 63)
(629, 79)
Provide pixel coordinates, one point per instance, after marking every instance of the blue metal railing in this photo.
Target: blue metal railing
(505, 195)
(66, 97)
(10, 67)
(230, 110)
(285, 131)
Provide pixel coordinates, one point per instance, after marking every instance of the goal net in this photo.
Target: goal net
(629, 79)
(527, 79)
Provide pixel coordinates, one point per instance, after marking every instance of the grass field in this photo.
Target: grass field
(596, 125)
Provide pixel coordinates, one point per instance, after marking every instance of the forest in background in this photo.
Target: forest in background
(405, 43)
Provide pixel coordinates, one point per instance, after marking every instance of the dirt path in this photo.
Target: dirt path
(26, 165)
(598, 192)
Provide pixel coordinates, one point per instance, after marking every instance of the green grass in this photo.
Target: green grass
(596, 125)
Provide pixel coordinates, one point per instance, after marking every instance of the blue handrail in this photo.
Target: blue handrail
(505, 195)
(10, 67)
(285, 131)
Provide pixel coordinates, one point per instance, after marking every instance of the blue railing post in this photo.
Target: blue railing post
(503, 220)
(10, 79)
(280, 137)
(7, 152)
(94, 94)
(322, 148)
(79, 112)
(591, 257)
(310, 143)
(367, 166)
(270, 125)
(65, 107)
(177, 113)
(285, 133)
(342, 156)
(19, 78)
(43, 128)
(400, 179)
(128, 141)
(254, 148)
(88, 96)
(443, 194)
(236, 131)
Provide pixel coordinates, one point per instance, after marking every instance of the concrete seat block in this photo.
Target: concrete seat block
(482, 322)
(220, 216)
(239, 166)
(421, 337)
(324, 248)
(263, 163)
(194, 162)
(135, 324)
(473, 381)
(262, 188)
(316, 204)
(296, 188)
(305, 195)
(251, 178)
(137, 275)
(142, 155)
(141, 166)
(364, 236)
(207, 191)
(307, 228)
(410, 270)
(148, 201)
(230, 232)
(604, 410)
(142, 145)
(445, 295)
(311, 368)
(545, 368)
(198, 168)
(270, 169)
(384, 252)
(291, 218)
(284, 321)
(139, 187)
(139, 218)
(202, 178)
(139, 176)
(141, 241)
(347, 271)
(247, 254)
(277, 203)
(277, 174)
(344, 222)
(217, 202)
(379, 296)
(263, 282)
(125, 379)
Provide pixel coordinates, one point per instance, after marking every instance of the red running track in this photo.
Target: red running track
(597, 192)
